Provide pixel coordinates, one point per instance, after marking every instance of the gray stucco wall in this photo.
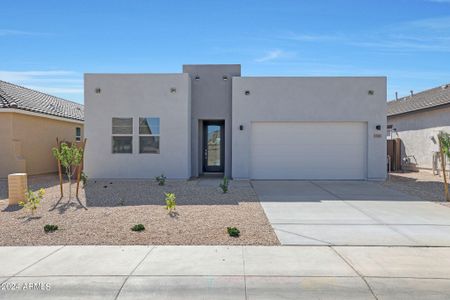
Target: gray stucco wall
(309, 99)
(211, 100)
(138, 95)
(418, 132)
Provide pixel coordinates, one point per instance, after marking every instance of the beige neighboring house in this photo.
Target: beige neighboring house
(416, 120)
(30, 122)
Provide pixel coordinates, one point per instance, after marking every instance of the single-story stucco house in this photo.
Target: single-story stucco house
(209, 119)
(30, 122)
(416, 120)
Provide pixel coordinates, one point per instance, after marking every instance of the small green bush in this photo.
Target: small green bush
(161, 179)
(138, 227)
(233, 231)
(50, 228)
(33, 200)
(170, 202)
(224, 185)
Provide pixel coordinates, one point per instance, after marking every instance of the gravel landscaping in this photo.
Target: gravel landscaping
(113, 207)
(423, 184)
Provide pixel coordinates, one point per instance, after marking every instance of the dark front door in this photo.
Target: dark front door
(213, 146)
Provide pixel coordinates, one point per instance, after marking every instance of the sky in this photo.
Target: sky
(49, 45)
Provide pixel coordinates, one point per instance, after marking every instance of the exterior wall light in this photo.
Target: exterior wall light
(98, 90)
(225, 77)
(371, 92)
(241, 127)
(378, 127)
(173, 90)
(247, 93)
(197, 77)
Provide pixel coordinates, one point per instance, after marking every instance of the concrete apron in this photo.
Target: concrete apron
(351, 213)
(224, 272)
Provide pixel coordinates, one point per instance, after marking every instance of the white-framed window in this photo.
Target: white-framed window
(390, 132)
(78, 134)
(122, 135)
(149, 135)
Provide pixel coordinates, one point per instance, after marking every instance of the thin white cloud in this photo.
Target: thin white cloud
(55, 82)
(274, 55)
(427, 35)
(4, 32)
(311, 37)
(435, 24)
(12, 32)
(431, 35)
(56, 90)
(403, 45)
(32, 75)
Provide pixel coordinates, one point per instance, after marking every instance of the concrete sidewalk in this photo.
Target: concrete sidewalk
(222, 272)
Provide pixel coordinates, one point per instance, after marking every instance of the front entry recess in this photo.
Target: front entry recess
(213, 146)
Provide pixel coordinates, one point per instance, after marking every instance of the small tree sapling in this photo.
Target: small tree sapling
(70, 157)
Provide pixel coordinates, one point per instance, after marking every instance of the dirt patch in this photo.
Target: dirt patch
(113, 207)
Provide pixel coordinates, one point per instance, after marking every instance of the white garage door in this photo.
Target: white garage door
(308, 150)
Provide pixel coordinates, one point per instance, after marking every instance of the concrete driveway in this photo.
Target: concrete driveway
(351, 213)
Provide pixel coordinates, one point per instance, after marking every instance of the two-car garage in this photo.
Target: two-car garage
(307, 128)
(308, 150)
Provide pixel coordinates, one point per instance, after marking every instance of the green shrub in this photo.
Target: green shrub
(161, 179)
(170, 202)
(233, 231)
(50, 228)
(33, 200)
(224, 185)
(138, 227)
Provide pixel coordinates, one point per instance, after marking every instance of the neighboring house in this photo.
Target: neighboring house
(208, 119)
(416, 120)
(30, 122)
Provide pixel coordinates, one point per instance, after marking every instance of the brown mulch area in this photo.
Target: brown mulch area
(113, 207)
(423, 184)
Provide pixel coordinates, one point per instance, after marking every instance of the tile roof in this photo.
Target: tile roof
(14, 96)
(427, 99)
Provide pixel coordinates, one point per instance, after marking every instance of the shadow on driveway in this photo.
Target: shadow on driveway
(314, 191)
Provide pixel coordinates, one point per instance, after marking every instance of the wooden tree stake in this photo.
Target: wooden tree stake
(447, 197)
(60, 171)
(80, 167)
